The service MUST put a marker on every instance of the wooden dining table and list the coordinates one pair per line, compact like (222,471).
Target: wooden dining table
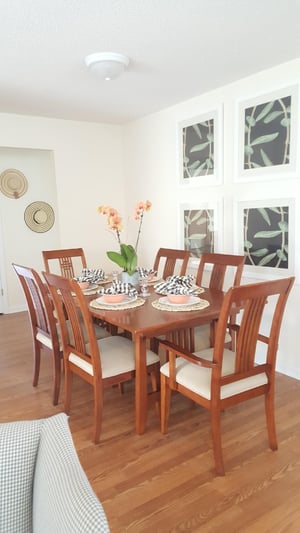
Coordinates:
(146,322)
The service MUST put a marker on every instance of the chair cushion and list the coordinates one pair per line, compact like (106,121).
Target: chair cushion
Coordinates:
(63,500)
(101,333)
(117,357)
(19,442)
(198,378)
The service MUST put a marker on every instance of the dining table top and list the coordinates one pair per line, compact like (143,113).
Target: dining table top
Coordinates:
(147,320)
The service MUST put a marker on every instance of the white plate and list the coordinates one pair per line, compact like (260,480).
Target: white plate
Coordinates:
(127,300)
(191,301)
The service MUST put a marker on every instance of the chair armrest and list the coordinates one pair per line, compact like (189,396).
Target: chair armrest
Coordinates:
(180,352)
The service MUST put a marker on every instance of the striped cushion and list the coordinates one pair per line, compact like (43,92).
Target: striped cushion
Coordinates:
(19,442)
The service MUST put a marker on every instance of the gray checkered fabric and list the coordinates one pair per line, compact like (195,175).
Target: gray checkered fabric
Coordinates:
(43,488)
(63,501)
(19,442)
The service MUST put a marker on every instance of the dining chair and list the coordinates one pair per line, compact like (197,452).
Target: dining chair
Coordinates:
(217,378)
(213,272)
(68,262)
(101,363)
(169,261)
(44,326)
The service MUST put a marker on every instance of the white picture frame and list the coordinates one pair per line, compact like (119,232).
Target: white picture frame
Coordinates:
(200,149)
(265,233)
(200,228)
(267,136)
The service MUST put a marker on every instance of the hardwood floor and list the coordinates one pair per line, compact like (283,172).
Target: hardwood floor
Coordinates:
(161,484)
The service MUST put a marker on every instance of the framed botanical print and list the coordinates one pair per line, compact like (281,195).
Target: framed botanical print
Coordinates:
(267,135)
(200,150)
(200,228)
(267,235)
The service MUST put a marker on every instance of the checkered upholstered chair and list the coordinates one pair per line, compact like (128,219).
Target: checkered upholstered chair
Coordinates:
(43,487)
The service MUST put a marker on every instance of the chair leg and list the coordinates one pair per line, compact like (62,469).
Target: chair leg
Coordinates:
(154,372)
(36,363)
(68,389)
(215,420)
(154,344)
(165,399)
(98,410)
(270,418)
(56,378)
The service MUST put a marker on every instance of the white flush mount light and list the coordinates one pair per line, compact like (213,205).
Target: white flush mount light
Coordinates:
(108,65)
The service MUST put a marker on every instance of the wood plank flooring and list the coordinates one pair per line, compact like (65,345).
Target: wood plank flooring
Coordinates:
(161,484)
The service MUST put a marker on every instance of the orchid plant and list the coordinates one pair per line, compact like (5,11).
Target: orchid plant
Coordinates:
(127,257)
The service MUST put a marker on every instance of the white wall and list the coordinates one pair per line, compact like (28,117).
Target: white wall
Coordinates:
(151,171)
(88,168)
(96,164)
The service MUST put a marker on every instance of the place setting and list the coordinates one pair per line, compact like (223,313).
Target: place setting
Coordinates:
(118,296)
(148,276)
(90,279)
(179,293)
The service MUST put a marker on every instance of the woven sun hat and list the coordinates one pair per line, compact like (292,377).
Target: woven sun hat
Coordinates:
(13,183)
(39,217)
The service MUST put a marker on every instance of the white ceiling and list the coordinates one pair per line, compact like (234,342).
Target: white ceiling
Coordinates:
(178,49)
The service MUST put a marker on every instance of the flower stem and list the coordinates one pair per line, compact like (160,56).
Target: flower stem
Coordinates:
(139,231)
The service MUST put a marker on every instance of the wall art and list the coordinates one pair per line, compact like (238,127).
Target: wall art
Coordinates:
(267,235)
(267,132)
(200,228)
(200,150)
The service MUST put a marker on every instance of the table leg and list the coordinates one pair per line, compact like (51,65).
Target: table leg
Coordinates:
(140,385)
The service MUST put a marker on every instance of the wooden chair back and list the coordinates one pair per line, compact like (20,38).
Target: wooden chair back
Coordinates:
(219,264)
(236,376)
(168,260)
(66,260)
(43,323)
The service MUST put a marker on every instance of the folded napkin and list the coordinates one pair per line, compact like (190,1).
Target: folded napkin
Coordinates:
(117,287)
(177,285)
(91,275)
(145,272)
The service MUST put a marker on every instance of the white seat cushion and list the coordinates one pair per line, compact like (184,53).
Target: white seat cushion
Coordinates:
(117,357)
(198,378)
(101,333)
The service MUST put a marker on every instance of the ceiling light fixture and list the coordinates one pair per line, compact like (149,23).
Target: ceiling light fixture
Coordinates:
(108,64)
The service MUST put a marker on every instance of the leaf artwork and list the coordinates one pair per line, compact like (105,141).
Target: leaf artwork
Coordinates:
(198,149)
(267,134)
(198,231)
(266,233)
